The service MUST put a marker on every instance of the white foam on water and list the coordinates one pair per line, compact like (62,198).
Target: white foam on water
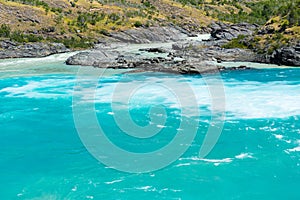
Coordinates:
(253,65)
(250,128)
(246,100)
(296,149)
(154,91)
(48,88)
(111,113)
(25,62)
(244,156)
(270,100)
(168,189)
(147,188)
(224,160)
(195,158)
(74,189)
(114,181)
(183,164)
(243,100)
(279,137)
(217,162)
(160,126)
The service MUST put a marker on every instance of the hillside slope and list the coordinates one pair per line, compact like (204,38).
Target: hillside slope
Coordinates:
(81,23)
(78,20)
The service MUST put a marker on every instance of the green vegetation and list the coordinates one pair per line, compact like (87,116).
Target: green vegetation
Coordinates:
(279,20)
(249,11)
(74,42)
(236,43)
(104,32)
(78,21)
(191,2)
(148,4)
(20,37)
(262,11)
(5,31)
(138,24)
(84,19)
(33,3)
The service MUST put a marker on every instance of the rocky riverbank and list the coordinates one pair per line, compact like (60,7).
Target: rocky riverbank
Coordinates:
(164,49)
(161,48)
(9,49)
(286,56)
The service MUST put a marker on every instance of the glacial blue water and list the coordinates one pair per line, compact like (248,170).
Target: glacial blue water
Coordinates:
(42,157)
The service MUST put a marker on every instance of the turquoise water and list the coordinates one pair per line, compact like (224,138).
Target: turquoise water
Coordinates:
(42,157)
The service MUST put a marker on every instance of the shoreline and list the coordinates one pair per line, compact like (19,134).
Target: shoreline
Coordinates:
(163,49)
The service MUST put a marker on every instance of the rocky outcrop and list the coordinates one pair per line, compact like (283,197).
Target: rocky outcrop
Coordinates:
(286,56)
(216,53)
(222,31)
(184,57)
(148,35)
(93,58)
(9,49)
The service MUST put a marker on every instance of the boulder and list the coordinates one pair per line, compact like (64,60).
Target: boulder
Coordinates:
(286,56)
(96,58)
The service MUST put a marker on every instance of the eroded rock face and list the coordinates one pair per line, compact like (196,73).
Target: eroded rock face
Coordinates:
(287,56)
(148,35)
(222,31)
(11,49)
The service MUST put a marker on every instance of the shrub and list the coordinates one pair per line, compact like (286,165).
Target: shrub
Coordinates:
(33,3)
(236,43)
(138,24)
(104,32)
(75,43)
(4,30)
(114,17)
(33,38)
(21,37)
(17,36)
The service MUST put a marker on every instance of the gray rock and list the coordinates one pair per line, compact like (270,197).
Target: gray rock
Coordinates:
(184,57)
(216,53)
(286,56)
(148,35)
(30,50)
(93,58)
(187,60)
(222,31)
